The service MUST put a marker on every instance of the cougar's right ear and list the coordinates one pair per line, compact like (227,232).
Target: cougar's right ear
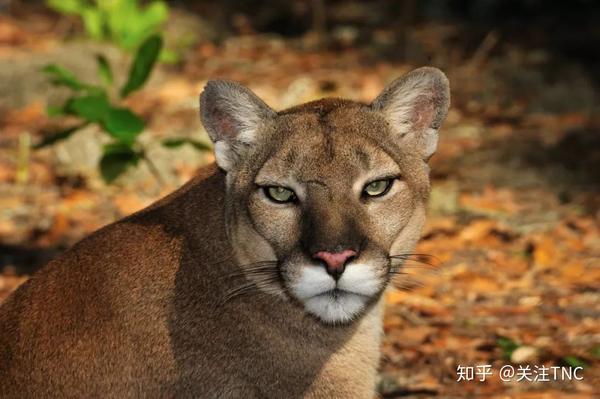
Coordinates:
(415,106)
(232,116)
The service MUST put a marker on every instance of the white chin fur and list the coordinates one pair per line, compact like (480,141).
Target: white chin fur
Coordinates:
(335,309)
(357,283)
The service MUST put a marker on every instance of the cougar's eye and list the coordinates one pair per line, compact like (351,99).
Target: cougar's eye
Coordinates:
(378,188)
(279,194)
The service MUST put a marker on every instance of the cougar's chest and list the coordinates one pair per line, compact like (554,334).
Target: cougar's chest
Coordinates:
(262,358)
(351,371)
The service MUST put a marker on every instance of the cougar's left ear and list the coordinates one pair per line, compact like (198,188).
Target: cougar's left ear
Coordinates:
(232,115)
(415,106)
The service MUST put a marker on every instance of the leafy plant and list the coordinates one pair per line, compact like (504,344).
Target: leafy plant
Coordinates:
(507,345)
(180,141)
(124,22)
(573,361)
(92,104)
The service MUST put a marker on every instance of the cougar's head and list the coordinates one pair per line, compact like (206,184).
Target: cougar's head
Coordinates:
(322,195)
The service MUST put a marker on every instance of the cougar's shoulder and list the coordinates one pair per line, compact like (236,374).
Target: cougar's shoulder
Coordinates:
(107,301)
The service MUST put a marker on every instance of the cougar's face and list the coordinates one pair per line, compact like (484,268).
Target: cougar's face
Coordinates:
(331,204)
(320,197)
(330,200)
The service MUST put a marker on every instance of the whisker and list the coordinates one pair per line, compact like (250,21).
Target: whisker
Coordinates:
(253,273)
(414,267)
(406,269)
(264,283)
(238,291)
(414,254)
(428,260)
(415,262)
(262,263)
(227,259)
(407,285)
(397,272)
(254,269)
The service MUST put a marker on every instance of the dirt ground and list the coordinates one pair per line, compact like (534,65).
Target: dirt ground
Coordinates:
(514,219)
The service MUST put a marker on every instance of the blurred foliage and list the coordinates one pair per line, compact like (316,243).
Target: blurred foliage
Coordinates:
(180,141)
(123,22)
(507,345)
(574,361)
(92,104)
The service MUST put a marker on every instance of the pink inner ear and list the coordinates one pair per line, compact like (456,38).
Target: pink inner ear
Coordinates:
(423,113)
(224,124)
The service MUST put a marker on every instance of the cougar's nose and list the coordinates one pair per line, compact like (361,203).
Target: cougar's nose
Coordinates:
(335,262)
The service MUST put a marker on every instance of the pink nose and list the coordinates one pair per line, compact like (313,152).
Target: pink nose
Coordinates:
(335,262)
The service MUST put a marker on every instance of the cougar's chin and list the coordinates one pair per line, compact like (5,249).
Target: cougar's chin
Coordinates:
(336,306)
(336,301)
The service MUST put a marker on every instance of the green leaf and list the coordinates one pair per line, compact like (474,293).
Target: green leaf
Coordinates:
(92,107)
(58,136)
(155,14)
(178,142)
(104,70)
(63,77)
(66,6)
(123,124)
(200,146)
(149,20)
(133,25)
(507,345)
(54,111)
(574,361)
(142,65)
(596,352)
(93,22)
(116,159)
(122,19)
(168,56)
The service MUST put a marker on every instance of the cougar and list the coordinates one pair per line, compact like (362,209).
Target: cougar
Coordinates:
(262,277)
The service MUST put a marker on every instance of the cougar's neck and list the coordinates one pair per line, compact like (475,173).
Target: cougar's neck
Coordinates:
(200,217)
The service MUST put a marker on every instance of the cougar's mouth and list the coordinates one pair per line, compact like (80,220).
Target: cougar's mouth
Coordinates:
(337,294)
(336,301)
(336,306)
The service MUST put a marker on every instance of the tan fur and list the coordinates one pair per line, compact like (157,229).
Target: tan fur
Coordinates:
(151,306)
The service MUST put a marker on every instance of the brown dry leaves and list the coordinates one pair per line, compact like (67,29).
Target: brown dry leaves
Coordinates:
(538,289)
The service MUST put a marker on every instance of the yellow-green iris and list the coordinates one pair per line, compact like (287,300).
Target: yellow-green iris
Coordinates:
(377,188)
(280,194)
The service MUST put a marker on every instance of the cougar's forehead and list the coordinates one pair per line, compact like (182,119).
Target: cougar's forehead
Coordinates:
(335,145)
